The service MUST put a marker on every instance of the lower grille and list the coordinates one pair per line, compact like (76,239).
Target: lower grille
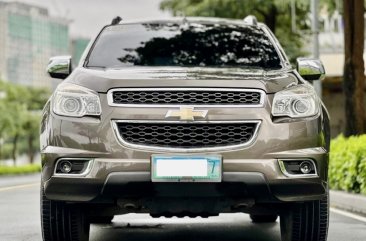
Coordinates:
(187,135)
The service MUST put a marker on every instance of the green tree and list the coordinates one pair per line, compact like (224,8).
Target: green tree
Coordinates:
(19,124)
(6,125)
(331,5)
(37,98)
(17,114)
(31,124)
(276,14)
(16,104)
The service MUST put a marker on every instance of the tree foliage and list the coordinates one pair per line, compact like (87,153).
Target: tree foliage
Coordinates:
(19,122)
(347,166)
(333,5)
(275,13)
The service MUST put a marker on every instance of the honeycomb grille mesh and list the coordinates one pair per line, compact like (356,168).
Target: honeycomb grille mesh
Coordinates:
(182,135)
(186,97)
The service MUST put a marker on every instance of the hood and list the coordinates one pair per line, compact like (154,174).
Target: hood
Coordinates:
(101,80)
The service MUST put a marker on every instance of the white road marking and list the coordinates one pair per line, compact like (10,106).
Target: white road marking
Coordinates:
(3,189)
(349,215)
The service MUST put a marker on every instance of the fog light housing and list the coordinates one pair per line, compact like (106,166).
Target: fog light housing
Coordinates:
(65,167)
(298,168)
(73,166)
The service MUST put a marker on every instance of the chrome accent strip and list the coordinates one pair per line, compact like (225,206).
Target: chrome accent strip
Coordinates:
(183,150)
(284,171)
(261,103)
(83,174)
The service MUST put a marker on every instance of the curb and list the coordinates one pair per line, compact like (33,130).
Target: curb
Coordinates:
(355,203)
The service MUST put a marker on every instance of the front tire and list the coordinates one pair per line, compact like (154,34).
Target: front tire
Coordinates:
(306,222)
(62,222)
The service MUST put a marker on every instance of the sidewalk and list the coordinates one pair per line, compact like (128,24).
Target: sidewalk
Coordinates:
(355,203)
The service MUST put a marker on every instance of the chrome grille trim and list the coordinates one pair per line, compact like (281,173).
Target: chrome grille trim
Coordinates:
(261,92)
(184,150)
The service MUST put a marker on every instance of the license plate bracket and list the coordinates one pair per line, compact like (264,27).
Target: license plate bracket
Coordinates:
(186,168)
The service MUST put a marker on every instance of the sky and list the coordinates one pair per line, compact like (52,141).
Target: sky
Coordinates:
(89,16)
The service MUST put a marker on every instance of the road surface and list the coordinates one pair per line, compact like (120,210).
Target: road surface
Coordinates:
(19,221)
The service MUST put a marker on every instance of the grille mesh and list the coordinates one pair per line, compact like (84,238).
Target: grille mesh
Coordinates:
(182,135)
(212,97)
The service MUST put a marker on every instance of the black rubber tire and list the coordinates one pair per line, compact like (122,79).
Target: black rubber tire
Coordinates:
(306,222)
(263,218)
(62,222)
(101,219)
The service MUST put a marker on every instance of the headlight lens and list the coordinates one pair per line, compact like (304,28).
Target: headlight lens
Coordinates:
(76,101)
(296,102)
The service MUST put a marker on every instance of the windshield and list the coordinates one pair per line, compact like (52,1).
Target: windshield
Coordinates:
(188,44)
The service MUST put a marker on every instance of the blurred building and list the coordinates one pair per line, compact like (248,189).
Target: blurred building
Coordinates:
(28,37)
(331,39)
(78,45)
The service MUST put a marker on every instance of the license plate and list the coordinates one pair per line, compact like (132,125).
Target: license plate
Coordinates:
(206,168)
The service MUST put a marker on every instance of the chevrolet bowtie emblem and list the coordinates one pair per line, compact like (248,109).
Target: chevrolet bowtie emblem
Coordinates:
(187,114)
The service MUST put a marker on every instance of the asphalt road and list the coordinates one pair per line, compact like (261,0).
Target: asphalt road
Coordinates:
(19,221)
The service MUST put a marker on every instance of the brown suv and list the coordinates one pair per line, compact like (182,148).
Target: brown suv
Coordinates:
(185,117)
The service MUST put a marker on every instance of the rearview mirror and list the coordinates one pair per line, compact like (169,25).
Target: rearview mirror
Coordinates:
(59,67)
(310,69)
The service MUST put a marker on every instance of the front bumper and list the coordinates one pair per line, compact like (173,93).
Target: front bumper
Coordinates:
(120,171)
(260,179)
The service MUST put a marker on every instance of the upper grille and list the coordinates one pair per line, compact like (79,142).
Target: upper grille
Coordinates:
(187,97)
(187,135)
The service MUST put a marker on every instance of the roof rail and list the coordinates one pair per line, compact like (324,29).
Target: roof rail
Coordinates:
(251,19)
(116,20)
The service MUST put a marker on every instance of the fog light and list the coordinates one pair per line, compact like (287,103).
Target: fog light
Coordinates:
(305,167)
(66,167)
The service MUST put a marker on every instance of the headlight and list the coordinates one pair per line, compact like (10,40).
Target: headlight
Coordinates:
(296,102)
(76,101)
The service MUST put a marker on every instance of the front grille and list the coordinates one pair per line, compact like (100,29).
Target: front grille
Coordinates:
(187,97)
(187,135)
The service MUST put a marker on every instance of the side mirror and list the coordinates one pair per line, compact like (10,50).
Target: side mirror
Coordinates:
(310,69)
(59,67)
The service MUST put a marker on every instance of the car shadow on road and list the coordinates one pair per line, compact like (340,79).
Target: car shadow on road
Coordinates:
(213,229)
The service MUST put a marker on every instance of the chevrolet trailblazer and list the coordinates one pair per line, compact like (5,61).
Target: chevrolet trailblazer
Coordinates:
(185,117)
